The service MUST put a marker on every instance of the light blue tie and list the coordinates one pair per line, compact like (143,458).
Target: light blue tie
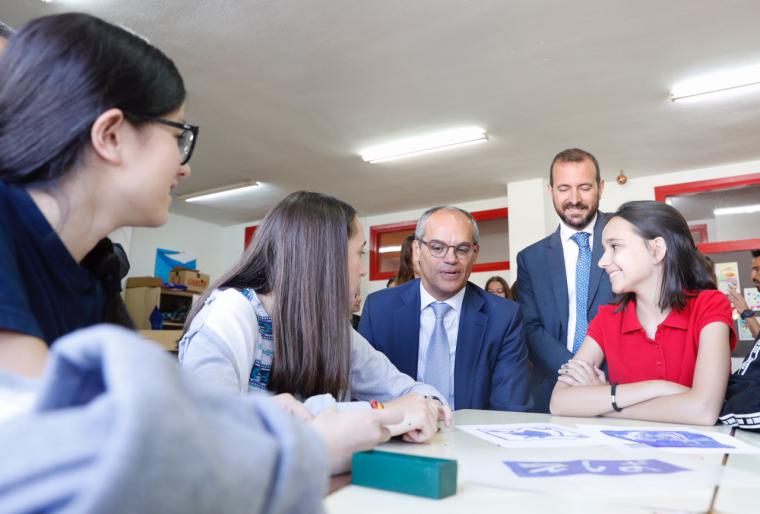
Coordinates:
(582,278)
(437,368)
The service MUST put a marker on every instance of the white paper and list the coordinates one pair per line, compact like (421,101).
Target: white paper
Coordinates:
(728,276)
(752,295)
(676,439)
(745,334)
(534,435)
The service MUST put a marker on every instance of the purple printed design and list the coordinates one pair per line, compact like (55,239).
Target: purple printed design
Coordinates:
(533,432)
(667,438)
(533,469)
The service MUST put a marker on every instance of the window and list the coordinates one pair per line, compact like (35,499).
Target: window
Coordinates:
(385,244)
(248,237)
(721,218)
(722,213)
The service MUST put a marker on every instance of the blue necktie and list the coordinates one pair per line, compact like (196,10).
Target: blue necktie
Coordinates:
(582,278)
(437,368)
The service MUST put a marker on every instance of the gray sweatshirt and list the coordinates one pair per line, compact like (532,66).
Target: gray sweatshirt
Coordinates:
(117,427)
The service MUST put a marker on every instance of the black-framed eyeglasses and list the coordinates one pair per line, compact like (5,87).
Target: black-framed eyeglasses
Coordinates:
(185,141)
(439,249)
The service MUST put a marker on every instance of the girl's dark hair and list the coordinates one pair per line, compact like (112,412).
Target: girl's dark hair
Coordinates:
(685,270)
(504,285)
(299,254)
(58,74)
(405,266)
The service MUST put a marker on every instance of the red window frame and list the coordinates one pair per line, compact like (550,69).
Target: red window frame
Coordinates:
(376,231)
(701,229)
(248,236)
(663,192)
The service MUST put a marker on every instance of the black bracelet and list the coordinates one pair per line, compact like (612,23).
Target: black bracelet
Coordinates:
(613,387)
(431,397)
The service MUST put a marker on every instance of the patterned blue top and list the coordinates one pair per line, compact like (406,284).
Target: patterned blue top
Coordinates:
(263,354)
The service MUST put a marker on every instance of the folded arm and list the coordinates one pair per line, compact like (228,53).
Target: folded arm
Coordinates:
(653,400)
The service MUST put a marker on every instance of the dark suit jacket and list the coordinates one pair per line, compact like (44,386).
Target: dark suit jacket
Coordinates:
(542,293)
(491,365)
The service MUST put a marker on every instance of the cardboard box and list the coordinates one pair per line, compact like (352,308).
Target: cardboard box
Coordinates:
(195,281)
(168,339)
(144,282)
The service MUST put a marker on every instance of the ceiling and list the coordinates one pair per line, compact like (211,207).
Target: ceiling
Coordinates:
(287,92)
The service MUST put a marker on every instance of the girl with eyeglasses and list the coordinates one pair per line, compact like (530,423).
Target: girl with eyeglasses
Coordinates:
(92,138)
(279,320)
(667,338)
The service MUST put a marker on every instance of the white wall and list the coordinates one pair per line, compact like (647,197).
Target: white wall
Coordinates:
(531,217)
(214,246)
(529,203)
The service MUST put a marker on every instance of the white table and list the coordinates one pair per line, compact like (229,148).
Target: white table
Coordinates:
(479,460)
(739,489)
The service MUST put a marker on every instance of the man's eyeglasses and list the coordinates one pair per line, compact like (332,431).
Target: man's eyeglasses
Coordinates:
(439,249)
(185,141)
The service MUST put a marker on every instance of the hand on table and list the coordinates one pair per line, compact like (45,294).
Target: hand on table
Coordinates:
(420,417)
(345,433)
(577,372)
(293,406)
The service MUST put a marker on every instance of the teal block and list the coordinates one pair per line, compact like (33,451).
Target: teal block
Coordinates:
(402,473)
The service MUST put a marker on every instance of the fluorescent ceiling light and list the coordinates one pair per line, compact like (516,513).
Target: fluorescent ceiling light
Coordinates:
(390,249)
(423,144)
(221,192)
(742,209)
(723,82)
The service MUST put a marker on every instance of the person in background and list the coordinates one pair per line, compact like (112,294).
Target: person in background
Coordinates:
(668,337)
(356,306)
(407,269)
(560,287)
(740,303)
(92,138)
(446,331)
(279,320)
(496,285)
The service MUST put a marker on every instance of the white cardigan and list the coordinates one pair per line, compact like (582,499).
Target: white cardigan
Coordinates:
(219,345)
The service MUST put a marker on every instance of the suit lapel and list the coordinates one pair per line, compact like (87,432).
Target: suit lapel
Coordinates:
(556,269)
(596,254)
(472,325)
(406,323)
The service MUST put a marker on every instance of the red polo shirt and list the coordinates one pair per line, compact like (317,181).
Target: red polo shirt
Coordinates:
(672,355)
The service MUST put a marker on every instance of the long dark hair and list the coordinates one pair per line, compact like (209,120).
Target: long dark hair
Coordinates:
(503,283)
(300,255)
(685,270)
(405,266)
(57,75)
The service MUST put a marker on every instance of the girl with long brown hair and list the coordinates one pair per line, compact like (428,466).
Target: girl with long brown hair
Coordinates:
(280,321)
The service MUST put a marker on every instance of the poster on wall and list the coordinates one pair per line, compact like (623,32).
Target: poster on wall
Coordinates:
(752,295)
(728,276)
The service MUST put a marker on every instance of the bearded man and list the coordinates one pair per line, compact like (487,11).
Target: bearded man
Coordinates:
(559,285)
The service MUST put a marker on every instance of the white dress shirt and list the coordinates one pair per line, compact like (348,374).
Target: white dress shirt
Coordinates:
(427,324)
(571,250)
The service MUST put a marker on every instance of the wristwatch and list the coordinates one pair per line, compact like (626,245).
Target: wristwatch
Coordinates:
(749,313)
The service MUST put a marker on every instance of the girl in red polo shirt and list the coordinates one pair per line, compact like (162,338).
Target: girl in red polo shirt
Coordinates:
(668,337)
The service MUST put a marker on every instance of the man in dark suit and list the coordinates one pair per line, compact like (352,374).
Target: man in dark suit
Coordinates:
(448,332)
(560,287)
